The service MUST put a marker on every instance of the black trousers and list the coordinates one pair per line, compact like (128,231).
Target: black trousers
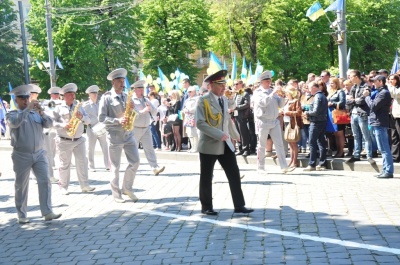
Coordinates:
(396,140)
(229,165)
(241,124)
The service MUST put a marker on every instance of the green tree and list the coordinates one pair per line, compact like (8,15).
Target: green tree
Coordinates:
(11,67)
(174,29)
(90,37)
(373,33)
(237,24)
(292,44)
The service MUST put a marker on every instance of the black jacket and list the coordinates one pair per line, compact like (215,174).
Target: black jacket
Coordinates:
(358,100)
(380,108)
(318,108)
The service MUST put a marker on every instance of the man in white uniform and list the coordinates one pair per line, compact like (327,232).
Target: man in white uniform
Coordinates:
(51,133)
(64,117)
(266,111)
(95,129)
(111,113)
(27,140)
(141,130)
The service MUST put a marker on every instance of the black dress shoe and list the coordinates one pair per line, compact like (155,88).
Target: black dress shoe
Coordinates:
(352,160)
(385,176)
(209,212)
(246,153)
(243,210)
(349,154)
(239,153)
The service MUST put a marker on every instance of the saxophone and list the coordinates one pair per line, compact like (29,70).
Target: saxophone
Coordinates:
(74,121)
(130,113)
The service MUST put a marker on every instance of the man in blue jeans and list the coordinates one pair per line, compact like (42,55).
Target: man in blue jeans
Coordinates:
(317,115)
(359,110)
(379,121)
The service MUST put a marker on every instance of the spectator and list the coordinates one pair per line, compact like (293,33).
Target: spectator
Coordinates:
(394,89)
(176,124)
(189,122)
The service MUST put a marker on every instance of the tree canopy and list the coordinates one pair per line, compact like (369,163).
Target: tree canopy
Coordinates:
(90,37)
(11,64)
(174,29)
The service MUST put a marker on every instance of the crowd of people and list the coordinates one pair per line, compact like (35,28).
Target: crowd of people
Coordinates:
(217,121)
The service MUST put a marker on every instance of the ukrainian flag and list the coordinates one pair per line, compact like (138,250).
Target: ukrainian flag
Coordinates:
(215,64)
(315,11)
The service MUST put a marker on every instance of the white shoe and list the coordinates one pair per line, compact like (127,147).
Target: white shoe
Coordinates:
(51,216)
(53,180)
(320,168)
(88,189)
(158,170)
(289,169)
(64,191)
(309,168)
(119,200)
(92,170)
(131,195)
(23,220)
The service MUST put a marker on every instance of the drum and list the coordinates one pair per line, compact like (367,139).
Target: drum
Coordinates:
(99,129)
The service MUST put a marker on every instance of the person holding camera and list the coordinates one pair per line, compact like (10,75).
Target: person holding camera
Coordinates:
(359,110)
(379,121)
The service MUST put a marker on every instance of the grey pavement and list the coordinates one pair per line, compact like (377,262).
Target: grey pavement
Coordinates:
(323,217)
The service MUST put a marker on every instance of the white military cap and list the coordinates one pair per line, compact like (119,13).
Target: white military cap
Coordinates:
(92,89)
(54,90)
(35,89)
(138,84)
(24,90)
(71,87)
(117,73)
(265,75)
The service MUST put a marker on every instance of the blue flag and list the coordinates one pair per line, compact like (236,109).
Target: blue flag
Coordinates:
(58,63)
(335,6)
(244,70)
(127,85)
(395,66)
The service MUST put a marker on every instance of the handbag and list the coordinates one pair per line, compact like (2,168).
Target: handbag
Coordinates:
(173,118)
(292,135)
(340,116)
(190,120)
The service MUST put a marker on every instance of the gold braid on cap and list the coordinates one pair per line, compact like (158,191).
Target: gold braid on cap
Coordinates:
(210,115)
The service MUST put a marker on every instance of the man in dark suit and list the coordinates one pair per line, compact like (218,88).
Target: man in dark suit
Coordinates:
(216,131)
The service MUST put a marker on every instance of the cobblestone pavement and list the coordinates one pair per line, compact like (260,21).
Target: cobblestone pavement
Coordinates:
(329,217)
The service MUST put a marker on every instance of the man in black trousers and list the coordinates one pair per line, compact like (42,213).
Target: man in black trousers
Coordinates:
(216,131)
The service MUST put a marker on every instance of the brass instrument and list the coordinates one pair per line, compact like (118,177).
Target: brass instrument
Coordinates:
(130,113)
(74,121)
(37,106)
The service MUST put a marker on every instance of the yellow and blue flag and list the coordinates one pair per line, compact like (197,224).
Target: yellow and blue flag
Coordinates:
(395,66)
(215,64)
(13,105)
(315,11)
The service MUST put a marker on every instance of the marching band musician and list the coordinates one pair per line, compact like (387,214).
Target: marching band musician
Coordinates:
(50,133)
(27,125)
(69,120)
(95,130)
(113,105)
(142,130)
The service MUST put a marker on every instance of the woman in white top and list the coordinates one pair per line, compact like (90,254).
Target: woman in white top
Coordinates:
(189,123)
